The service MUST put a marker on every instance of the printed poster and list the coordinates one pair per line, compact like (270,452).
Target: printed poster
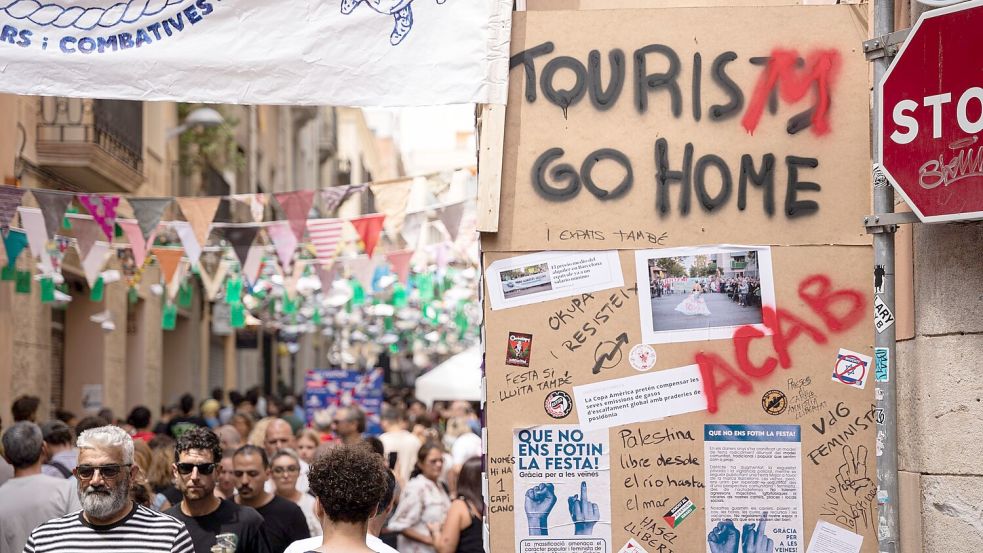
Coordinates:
(563,482)
(328,389)
(544,276)
(753,487)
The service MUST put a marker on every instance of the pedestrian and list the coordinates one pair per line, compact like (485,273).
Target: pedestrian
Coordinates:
(462,530)
(186,420)
(6,470)
(423,501)
(59,444)
(109,520)
(197,456)
(25,408)
(244,424)
(139,419)
(225,485)
(160,474)
(228,437)
(399,442)
(30,497)
(349,424)
(143,458)
(209,412)
(283,520)
(279,436)
(350,482)
(307,441)
(285,467)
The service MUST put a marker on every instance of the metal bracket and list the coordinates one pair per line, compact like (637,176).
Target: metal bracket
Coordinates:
(888,222)
(885,45)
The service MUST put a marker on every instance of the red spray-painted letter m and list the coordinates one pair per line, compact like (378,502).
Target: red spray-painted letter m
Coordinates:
(794,84)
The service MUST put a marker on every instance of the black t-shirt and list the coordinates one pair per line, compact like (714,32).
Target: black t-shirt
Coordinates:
(229,518)
(283,523)
(180,425)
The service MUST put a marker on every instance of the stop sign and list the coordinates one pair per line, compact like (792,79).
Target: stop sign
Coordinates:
(931,115)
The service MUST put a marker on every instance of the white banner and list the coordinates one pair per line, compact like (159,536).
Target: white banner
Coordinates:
(315,52)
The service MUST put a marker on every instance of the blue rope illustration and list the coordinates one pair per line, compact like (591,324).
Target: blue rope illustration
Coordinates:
(84,18)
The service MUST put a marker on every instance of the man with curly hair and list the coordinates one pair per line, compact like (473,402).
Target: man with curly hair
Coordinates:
(350,483)
(197,457)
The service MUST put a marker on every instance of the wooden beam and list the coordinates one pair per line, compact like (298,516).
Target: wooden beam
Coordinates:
(491,142)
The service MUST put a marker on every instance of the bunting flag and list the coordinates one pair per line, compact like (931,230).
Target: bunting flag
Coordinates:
(296,206)
(400,262)
(174,285)
(326,276)
(256,203)
(168,259)
(391,200)
(14,242)
(37,237)
(53,204)
(252,264)
(186,234)
(290,281)
(87,232)
(200,212)
(10,199)
(368,229)
(362,269)
(441,253)
(241,239)
(285,242)
(413,228)
(94,261)
(325,235)
(148,212)
(332,197)
(103,211)
(212,277)
(451,216)
(138,242)
(56,253)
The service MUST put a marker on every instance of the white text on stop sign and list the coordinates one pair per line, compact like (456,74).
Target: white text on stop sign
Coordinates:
(903,119)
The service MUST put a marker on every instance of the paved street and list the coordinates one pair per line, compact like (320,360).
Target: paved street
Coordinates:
(723,312)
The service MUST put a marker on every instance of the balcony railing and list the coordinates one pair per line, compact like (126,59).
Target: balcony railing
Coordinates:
(96,143)
(738,264)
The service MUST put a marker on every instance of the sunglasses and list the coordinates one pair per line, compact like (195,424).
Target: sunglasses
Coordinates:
(284,470)
(203,468)
(86,472)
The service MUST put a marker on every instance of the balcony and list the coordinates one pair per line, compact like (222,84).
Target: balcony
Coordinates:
(735,265)
(96,145)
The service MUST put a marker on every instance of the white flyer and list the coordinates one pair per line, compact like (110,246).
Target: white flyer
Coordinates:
(544,276)
(645,397)
(754,486)
(562,490)
(830,538)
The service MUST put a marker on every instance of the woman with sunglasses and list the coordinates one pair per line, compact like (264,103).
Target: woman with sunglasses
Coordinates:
(285,466)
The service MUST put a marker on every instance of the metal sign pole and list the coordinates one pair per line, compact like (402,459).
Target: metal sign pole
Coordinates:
(886,392)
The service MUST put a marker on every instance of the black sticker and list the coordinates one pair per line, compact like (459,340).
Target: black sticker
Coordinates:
(558,404)
(774,402)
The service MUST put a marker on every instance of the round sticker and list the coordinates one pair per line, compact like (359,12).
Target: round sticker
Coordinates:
(642,357)
(558,404)
(774,402)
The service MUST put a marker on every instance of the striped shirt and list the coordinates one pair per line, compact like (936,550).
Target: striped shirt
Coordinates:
(141,531)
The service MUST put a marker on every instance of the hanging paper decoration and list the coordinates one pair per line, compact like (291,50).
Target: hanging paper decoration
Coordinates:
(138,242)
(413,226)
(53,205)
(233,290)
(241,239)
(168,259)
(296,206)
(168,316)
(97,290)
(86,234)
(332,197)
(368,229)
(94,261)
(285,242)
(148,212)
(186,233)
(237,315)
(56,253)
(212,279)
(362,269)
(253,264)
(256,203)
(47,290)
(10,199)
(185,294)
(358,293)
(103,211)
(325,235)
(399,296)
(23,282)
(14,242)
(450,216)
(400,262)
(200,212)
(390,200)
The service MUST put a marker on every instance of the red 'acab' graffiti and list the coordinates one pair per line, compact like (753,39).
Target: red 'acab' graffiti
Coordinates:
(840,310)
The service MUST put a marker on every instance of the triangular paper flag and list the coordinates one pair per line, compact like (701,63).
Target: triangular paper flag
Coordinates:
(200,212)
(241,239)
(332,197)
(362,269)
(37,236)
(187,236)
(252,265)
(103,211)
(413,227)
(296,206)
(174,285)
(10,199)
(53,205)
(368,229)
(285,243)
(256,203)
(451,216)
(86,234)
(400,262)
(168,259)
(138,243)
(326,276)
(390,200)
(325,235)
(94,261)
(14,242)
(148,212)
(290,281)
(212,282)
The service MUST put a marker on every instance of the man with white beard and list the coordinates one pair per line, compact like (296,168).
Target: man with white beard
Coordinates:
(109,520)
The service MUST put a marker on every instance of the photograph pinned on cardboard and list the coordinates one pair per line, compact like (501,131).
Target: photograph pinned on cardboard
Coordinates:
(544,276)
(702,293)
